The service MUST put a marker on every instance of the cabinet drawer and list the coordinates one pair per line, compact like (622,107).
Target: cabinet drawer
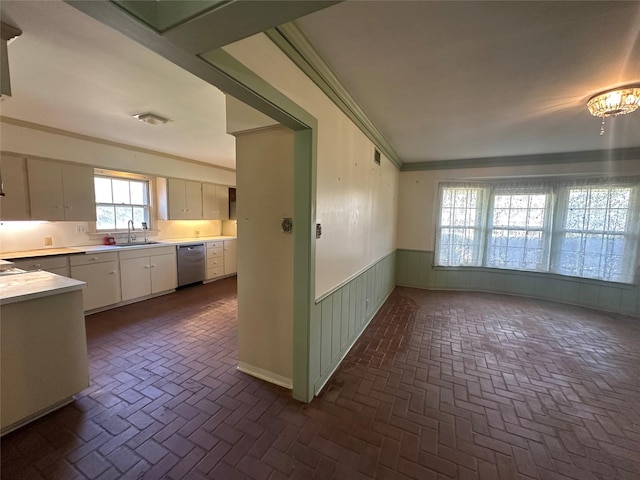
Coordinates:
(215,252)
(215,272)
(90,258)
(42,263)
(146,252)
(215,262)
(217,244)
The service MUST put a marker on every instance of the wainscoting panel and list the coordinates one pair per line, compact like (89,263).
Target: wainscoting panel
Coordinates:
(414,268)
(342,315)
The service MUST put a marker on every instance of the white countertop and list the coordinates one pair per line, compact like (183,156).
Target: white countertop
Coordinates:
(29,285)
(100,248)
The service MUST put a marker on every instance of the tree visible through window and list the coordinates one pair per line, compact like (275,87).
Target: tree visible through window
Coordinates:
(595,233)
(119,200)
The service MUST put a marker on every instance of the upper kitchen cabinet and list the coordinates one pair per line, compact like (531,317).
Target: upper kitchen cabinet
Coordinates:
(179,199)
(61,191)
(14,205)
(215,202)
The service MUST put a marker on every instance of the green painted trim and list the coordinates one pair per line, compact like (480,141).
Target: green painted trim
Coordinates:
(304,254)
(290,114)
(615,155)
(351,278)
(290,39)
(414,268)
(305,126)
(341,317)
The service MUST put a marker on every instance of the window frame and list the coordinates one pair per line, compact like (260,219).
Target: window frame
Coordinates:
(555,214)
(124,176)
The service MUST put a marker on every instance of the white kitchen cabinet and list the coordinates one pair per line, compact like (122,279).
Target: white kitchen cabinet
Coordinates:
(100,271)
(230,257)
(14,205)
(60,191)
(179,199)
(215,260)
(148,271)
(215,202)
(58,264)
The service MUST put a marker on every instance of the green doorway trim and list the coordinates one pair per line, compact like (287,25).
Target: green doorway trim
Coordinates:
(224,72)
(305,127)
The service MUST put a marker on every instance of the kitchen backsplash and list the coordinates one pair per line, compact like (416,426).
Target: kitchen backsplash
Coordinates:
(20,236)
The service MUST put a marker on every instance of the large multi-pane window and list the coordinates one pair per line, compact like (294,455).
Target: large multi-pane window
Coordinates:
(461,225)
(518,234)
(597,232)
(585,229)
(119,200)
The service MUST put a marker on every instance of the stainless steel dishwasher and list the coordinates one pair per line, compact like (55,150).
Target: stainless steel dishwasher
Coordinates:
(191,263)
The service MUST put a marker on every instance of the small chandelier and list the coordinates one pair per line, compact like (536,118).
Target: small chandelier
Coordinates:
(611,103)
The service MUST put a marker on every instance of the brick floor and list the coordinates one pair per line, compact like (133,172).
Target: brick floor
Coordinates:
(441,385)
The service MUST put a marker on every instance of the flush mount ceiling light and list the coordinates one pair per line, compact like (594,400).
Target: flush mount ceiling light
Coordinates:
(151,118)
(611,103)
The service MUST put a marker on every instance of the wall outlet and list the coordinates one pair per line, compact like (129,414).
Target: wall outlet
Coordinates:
(48,241)
(81,229)
(197,233)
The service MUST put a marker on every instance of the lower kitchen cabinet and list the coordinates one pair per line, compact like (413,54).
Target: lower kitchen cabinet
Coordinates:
(230,257)
(101,273)
(58,264)
(215,260)
(147,271)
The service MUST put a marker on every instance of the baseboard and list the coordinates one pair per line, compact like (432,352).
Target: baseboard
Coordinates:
(265,375)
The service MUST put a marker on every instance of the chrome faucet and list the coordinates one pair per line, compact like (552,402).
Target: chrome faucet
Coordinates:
(129,228)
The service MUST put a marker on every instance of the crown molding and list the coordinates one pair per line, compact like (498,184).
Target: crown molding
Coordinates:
(615,155)
(88,138)
(290,39)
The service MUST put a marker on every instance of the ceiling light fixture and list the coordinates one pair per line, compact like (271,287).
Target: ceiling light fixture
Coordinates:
(151,118)
(611,103)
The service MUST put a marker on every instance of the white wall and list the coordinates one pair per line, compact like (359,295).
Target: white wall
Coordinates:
(356,200)
(264,161)
(419,190)
(44,143)
(48,143)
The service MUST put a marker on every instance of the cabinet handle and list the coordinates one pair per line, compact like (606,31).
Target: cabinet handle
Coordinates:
(112,272)
(68,206)
(36,265)
(59,207)
(93,259)
(153,266)
(146,266)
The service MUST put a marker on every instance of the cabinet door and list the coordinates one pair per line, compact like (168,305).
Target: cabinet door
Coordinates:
(103,284)
(230,256)
(15,203)
(193,200)
(78,193)
(222,197)
(176,199)
(215,202)
(45,190)
(135,278)
(209,202)
(164,273)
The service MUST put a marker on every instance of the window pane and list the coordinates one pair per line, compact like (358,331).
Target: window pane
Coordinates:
(600,245)
(106,219)
(103,190)
(138,193)
(123,215)
(519,236)
(459,230)
(139,216)
(120,191)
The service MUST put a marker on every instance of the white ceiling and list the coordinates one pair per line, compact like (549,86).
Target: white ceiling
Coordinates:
(440,80)
(454,80)
(71,72)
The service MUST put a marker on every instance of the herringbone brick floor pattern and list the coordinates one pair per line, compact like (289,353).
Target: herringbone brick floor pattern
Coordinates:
(441,385)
